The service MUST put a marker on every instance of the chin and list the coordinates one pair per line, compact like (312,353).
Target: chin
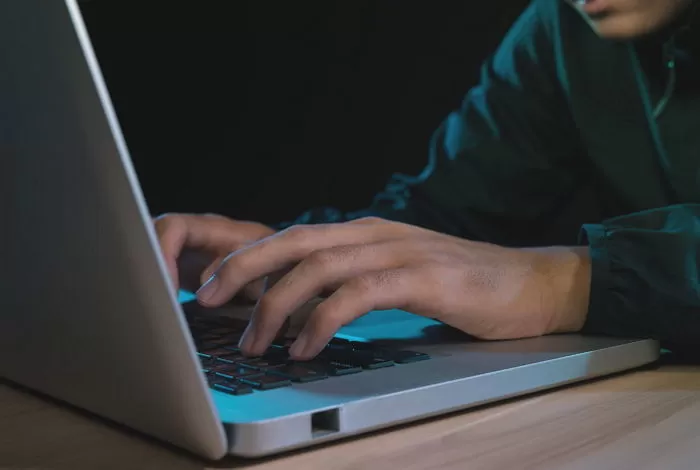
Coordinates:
(623,28)
(620,34)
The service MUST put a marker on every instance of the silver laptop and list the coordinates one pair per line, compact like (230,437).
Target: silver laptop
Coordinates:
(88,315)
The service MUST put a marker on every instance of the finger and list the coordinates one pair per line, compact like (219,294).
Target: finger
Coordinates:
(190,265)
(202,233)
(172,234)
(250,292)
(285,248)
(253,290)
(316,273)
(211,269)
(374,291)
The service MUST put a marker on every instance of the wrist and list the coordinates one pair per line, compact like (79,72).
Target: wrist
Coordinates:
(569,288)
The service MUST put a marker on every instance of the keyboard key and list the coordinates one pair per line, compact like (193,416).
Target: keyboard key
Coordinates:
(236,371)
(222,352)
(224,365)
(232,387)
(206,345)
(365,359)
(338,347)
(261,363)
(371,362)
(218,360)
(202,338)
(266,382)
(229,371)
(282,342)
(405,357)
(336,368)
(397,356)
(298,373)
(277,352)
(205,359)
(218,341)
(238,389)
(340,341)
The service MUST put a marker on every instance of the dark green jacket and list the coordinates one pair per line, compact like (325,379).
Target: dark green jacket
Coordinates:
(559,145)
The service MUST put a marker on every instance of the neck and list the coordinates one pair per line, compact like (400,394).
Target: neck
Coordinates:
(684,31)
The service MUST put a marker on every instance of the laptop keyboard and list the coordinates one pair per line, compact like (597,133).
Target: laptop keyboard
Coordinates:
(229,371)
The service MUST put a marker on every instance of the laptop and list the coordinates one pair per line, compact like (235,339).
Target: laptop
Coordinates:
(89,317)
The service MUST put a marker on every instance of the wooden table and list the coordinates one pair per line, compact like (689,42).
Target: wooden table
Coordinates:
(647,419)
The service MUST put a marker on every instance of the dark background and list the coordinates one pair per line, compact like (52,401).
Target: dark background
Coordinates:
(259,109)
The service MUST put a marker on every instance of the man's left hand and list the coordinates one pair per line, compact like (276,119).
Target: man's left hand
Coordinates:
(488,291)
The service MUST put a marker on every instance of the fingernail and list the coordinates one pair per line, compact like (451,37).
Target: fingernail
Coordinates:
(208,289)
(246,340)
(298,346)
(245,343)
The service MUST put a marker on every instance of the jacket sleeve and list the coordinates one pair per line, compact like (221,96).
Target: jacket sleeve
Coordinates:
(506,158)
(645,275)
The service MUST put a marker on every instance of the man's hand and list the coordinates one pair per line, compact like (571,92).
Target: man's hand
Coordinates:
(488,291)
(195,245)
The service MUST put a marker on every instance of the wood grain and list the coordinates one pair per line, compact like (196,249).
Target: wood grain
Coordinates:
(642,420)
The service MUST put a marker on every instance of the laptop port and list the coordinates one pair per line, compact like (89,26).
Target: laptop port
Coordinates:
(325,422)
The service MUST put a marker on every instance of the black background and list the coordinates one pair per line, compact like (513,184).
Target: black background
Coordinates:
(259,110)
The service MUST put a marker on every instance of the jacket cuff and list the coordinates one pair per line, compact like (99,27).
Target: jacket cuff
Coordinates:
(598,321)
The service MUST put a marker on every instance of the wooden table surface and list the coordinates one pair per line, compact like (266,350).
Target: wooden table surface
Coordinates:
(648,419)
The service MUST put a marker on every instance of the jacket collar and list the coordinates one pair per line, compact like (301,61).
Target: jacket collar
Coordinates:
(689,32)
(686,29)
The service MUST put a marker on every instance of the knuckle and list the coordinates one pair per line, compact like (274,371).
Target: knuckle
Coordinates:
(365,284)
(234,263)
(348,253)
(328,258)
(296,230)
(227,268)
(322,259)
(164,219)
(212,220)
(301,238)
(385,279)
(168,222)
(296,233)
(371,219)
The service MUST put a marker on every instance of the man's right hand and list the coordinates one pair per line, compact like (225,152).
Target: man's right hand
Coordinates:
(195,245)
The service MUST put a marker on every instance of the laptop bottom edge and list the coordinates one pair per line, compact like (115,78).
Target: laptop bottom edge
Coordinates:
(354,418)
